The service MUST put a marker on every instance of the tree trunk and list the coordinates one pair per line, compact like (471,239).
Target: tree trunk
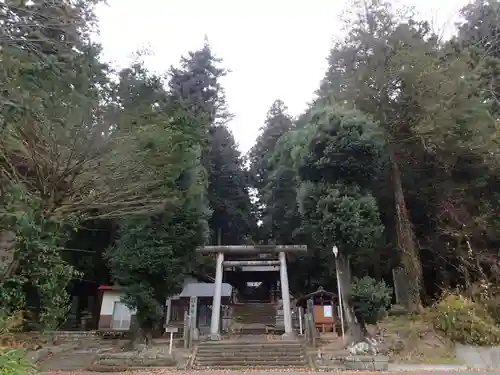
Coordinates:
(141,338)
(8,263)
(354,329)
(377,268)
(410,257)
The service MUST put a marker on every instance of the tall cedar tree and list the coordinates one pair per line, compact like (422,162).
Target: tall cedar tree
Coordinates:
(197,84)
(278,122)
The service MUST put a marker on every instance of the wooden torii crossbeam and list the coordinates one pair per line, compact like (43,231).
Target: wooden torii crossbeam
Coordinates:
(252,249)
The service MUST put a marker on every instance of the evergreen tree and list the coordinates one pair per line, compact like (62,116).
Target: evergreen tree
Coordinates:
(153,253)
(479,33)
(197,84)
(232,220)
(278,122)
(397,71)
(266,176)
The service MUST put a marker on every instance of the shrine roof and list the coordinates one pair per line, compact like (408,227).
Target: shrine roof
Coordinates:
(203,290)
(320,292)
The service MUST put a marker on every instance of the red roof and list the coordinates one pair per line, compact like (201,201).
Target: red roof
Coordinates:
(108,287)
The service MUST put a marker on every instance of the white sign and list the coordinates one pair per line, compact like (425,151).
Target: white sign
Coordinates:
(172,330)
(327,312)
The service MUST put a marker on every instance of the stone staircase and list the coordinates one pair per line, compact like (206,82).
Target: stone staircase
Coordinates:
(255,313)
(249,354)
(252,318)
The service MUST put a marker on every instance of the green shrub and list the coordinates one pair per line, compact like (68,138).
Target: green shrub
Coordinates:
(12,362)
(493,307)
(9,324)
(370,298)
(465,321)
(487,295)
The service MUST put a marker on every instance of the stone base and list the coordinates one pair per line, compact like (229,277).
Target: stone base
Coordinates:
(214,337)
(333,361)
(375,363)
(289,336)
(397,310)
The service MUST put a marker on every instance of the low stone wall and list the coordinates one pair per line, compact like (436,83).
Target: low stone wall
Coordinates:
(69,334)
(332,361)
(481,357)
(53,337)
(134,360)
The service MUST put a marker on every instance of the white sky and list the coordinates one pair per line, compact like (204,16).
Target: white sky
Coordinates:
(276,49)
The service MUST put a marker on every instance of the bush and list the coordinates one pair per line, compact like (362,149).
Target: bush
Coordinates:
(493,307)
(487,295)
(370,298)
(9,323)
(12,362)
(465,321)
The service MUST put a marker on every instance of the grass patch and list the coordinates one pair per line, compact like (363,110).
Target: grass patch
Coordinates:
(412,338)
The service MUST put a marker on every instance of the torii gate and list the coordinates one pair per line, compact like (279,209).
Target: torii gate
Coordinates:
(270,249)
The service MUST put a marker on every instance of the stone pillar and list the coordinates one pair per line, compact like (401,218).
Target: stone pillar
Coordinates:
(285,295)
(216,304)
(193,320)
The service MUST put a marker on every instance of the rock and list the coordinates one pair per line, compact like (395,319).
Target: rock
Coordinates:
(236,327)
(397,310)
(327,359)
(398,346)
(368,346)
(37,355)
(36,346)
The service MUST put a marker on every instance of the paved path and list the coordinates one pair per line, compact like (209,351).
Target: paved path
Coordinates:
(168,372)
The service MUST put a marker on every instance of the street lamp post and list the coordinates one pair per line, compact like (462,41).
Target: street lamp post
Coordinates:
(341,307)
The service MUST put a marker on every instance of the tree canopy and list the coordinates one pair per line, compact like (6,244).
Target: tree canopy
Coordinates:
(395,161)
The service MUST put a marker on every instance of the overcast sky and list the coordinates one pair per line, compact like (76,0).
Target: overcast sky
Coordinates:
(276,49)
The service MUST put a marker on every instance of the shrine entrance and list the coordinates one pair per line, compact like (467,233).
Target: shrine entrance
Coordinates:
(253,271)
(256,279)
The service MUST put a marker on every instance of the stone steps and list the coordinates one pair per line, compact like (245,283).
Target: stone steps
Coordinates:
(250,313)
(263,349)
(239,354)
(249,330)
(251,363)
